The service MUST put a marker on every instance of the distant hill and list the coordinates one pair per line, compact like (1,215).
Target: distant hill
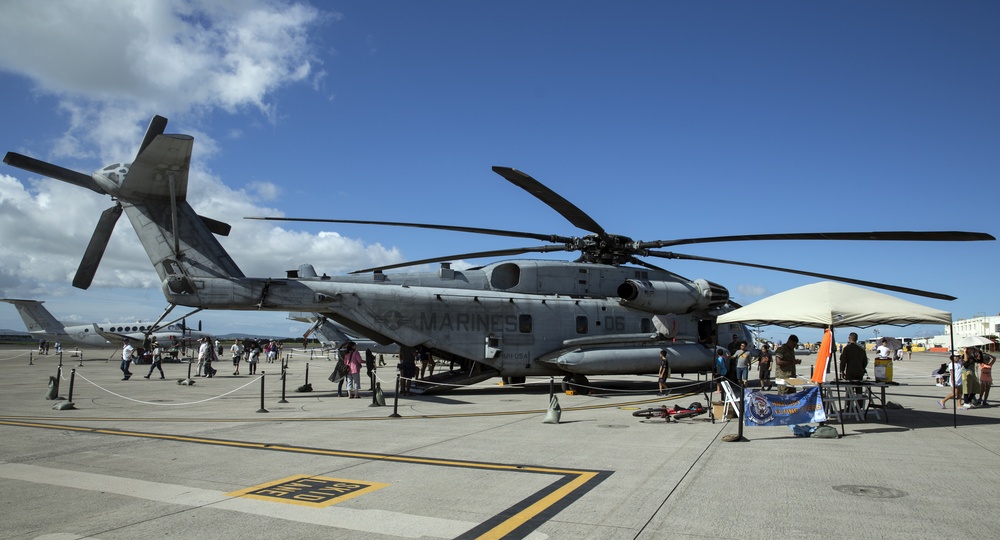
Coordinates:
(233,337)
(6,331)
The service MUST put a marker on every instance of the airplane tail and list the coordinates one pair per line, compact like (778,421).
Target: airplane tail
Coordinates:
(152,192)
(328,333)
(36,318)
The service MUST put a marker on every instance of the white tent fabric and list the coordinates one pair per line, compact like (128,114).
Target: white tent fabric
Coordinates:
(828,303)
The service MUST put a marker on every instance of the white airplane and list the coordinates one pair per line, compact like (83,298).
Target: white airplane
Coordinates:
(41,324)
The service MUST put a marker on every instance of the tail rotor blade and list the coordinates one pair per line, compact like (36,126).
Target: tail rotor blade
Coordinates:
(95,250)
(156,127)
(43,168)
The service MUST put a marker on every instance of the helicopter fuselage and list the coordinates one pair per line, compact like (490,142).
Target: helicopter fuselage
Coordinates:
(498,315)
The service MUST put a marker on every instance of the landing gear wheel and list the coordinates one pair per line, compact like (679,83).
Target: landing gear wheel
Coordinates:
(577,383)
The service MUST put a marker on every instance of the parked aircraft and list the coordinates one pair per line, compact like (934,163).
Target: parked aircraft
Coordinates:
(332,335)
(41,324)
(609,312)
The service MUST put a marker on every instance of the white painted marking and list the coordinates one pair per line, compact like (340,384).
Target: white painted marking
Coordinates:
(370,521)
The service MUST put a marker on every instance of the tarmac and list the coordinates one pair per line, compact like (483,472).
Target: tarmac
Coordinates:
(228,457)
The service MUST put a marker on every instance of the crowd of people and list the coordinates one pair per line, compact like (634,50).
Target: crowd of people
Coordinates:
(969,377)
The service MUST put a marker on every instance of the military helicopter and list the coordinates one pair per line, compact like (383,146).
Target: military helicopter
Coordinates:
(609,312)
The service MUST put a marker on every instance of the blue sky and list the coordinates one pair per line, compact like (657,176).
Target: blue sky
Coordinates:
(660,120)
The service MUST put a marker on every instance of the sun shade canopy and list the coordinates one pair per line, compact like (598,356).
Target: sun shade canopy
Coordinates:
(834,304)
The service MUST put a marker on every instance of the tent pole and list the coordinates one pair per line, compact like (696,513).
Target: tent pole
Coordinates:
(954,401)
(836,377)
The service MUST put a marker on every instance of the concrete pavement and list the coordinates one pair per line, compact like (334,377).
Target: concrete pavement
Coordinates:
(151,458)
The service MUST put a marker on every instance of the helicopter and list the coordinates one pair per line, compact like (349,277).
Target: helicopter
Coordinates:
(609,312)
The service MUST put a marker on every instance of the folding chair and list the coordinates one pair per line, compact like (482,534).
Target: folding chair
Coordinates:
(731,400)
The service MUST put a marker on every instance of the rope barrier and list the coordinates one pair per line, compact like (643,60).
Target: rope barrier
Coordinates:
(168,404)
(21,355)
(680,388)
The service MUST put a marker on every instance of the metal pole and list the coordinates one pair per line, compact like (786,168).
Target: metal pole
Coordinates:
(307,373)
(284,368)
(72,378)
(395,400)
(30,361)
(262,409)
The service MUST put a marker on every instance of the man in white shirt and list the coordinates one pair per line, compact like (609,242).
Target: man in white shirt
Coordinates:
(883,351)
(128,352)
(204,350)
(237,351)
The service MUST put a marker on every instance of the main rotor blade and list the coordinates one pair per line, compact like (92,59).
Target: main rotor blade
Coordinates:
(477,230)
(555,201)
(473,255)
(43,168)
(156,127)
(95,249)
(885,286)
(904,236)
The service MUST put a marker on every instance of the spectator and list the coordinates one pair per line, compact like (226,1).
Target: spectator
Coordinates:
(354,362)
(664,374)
(128,353)
(156,360)
(784,364)
(764,368)
(954,379)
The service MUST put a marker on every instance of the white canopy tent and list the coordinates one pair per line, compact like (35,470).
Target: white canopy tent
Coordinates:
(829,304)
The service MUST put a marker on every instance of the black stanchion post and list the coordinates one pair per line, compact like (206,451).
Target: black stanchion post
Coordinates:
(72,378)
(262,409)
(30,360)
(307,373)
(552,382)
(395,400)
(60,358)
(284,371)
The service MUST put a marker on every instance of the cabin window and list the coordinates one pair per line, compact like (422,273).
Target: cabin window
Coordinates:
(524,324)
(646,326)
(581,325)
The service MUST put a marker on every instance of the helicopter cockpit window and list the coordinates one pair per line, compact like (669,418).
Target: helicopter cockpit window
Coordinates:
(524,324)
(581,325)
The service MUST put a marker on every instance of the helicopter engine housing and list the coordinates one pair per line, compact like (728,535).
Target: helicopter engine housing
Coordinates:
(672,296)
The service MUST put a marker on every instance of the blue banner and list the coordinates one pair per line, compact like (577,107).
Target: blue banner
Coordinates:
(803,407)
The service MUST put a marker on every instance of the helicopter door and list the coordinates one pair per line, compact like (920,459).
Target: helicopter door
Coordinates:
(494,346)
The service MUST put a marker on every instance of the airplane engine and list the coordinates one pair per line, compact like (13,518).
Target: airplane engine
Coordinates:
(672,296)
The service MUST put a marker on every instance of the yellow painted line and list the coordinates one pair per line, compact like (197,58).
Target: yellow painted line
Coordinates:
(580,478)
(537,508)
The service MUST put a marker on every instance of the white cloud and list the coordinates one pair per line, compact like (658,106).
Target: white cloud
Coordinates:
(751,292)
(111,65)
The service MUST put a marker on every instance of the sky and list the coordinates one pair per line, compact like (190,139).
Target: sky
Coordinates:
(660,120)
